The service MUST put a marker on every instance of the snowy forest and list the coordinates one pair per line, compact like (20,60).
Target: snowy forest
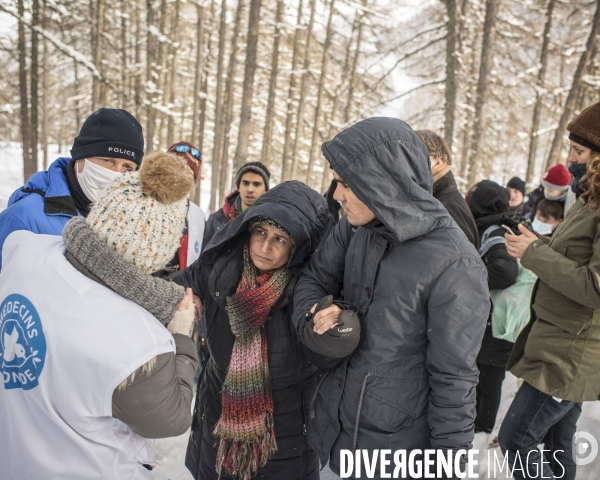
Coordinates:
(270,80)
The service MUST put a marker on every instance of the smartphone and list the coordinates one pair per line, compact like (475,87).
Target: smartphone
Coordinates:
(508,229)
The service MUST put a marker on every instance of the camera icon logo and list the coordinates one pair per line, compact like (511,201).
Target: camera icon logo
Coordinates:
(585,448)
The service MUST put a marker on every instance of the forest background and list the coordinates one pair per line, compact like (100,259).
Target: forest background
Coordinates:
(270,80)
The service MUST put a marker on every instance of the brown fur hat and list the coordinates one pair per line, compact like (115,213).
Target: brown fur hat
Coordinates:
(585,127)
(166,177)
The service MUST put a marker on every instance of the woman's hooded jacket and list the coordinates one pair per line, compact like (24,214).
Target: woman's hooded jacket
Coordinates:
(215,276)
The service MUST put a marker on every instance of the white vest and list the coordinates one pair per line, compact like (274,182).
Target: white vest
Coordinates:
(195,223)
(66,342)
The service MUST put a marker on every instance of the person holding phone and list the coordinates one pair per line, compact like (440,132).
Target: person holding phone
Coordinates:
(558,353)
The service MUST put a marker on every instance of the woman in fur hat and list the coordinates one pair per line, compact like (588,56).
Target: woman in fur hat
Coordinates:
(90,371)
(558,353)
(253,396)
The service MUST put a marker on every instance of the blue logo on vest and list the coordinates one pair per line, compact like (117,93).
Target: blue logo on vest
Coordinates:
(196,246)
(22,343)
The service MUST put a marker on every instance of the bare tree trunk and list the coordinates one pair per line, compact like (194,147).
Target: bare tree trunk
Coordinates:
(352,82)
(313,141)
(218,139)
(45,88)
(487,46)
(287,143)
(29,168)
(35,82)
(267,147)
(303,92)
(164,50)
(124,69)
(138,59)
(198,72)
(567,113)
(451,64)
(241,154)
(535,123)
(199,108)
(98,93)
(77,87)
(173,71)
(344,75)
(229,101)
(204,95)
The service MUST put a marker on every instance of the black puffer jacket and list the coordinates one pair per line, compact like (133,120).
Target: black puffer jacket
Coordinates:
(489,204)
(216,275)
(420,289)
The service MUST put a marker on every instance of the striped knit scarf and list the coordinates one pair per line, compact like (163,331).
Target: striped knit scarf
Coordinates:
(245,429)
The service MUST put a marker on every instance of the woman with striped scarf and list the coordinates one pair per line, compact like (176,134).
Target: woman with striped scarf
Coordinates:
(253,395)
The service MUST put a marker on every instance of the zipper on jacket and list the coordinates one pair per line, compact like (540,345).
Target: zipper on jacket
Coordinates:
(302,413)
(360,400)
(312,402)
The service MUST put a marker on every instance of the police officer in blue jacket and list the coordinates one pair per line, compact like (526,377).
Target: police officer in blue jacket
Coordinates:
(110,143)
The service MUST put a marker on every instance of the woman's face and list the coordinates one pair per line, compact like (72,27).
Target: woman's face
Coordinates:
(552,192)
(270,248)
(579,153)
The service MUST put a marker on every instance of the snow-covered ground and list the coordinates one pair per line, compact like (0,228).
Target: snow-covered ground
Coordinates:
(171,452)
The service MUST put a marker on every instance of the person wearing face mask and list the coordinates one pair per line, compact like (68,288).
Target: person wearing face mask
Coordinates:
(548,216)
(109,144)
(558,352)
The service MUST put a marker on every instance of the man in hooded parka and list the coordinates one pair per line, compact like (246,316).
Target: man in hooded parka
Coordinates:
(420,291)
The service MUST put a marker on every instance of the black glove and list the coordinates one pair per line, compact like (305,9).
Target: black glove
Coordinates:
(337,342)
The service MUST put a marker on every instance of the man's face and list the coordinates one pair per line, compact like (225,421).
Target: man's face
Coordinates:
(270,248)
(120,165)
(436,163)
(356,211)
(252,186)
(516,198)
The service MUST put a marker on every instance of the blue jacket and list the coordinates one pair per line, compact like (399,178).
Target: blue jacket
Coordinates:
(43,205)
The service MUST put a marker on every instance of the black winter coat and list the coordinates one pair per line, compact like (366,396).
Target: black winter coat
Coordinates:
(446,191)
(489,202)
(420,290)
(219,218)
(216,275)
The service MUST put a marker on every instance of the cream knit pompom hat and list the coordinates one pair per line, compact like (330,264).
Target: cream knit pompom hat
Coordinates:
(142,214)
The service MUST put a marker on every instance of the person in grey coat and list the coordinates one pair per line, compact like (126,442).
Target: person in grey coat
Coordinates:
(419,288)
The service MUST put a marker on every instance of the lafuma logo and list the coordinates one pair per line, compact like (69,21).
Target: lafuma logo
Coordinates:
(585,448)
(22,343)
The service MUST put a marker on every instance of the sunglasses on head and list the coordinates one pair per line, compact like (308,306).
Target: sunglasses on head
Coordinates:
(186,149)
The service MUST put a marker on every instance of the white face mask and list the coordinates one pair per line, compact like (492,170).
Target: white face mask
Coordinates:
(94,180)
(541,227)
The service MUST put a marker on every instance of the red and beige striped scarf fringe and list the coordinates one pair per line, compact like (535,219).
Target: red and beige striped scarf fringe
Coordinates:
(245,429)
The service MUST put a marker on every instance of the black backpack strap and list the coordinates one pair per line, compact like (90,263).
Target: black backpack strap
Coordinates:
(33,190)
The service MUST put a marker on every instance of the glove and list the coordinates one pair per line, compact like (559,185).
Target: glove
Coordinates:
(183,320)
(337,342)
